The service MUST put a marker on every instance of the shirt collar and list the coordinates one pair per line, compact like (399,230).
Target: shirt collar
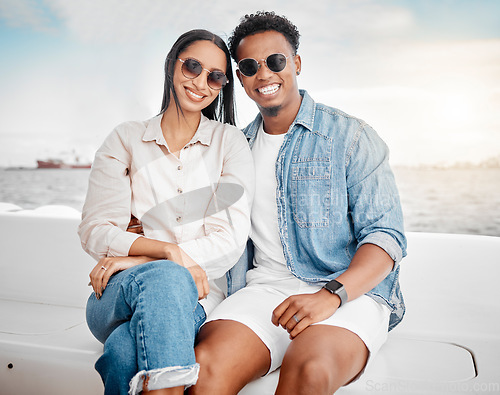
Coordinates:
(203,134)
(305,116)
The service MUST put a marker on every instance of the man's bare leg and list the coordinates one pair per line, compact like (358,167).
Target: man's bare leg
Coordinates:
(230,356)
(320,360)
(165,391)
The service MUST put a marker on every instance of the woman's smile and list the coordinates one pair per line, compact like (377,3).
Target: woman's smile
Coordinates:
(197,97)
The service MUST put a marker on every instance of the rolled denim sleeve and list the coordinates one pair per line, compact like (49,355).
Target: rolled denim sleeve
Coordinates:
(107,208)
(227,227)
(373,196)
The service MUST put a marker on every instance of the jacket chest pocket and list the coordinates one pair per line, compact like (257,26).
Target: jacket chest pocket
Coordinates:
(311,193)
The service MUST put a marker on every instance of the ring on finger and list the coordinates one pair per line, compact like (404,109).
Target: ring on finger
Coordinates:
(102,267)
(296,319)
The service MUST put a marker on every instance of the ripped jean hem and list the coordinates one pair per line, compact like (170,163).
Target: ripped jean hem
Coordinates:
(172,376)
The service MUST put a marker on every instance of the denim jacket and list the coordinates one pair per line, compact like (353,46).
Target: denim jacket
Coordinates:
(335,192)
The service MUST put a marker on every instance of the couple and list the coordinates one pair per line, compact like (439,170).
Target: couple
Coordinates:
(317,284)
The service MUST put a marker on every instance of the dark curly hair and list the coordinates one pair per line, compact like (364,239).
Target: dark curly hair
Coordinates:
(263,21)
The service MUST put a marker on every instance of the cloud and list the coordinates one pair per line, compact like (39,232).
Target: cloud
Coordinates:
(362,56)
(348,21)
(22,13)
(122,21)
(431,102)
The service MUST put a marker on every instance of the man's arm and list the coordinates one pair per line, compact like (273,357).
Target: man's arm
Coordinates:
(378,228)
(369,266)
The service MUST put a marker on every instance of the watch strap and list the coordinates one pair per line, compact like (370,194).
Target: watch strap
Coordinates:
(337,288)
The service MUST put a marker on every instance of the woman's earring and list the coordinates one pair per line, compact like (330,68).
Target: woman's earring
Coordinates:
(298,72)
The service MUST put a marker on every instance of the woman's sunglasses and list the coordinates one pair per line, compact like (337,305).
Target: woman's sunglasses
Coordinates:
(191,69)
(275,62)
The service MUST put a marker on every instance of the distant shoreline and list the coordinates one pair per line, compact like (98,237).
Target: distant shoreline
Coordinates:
(445,167)
(460,166)
(39,168)
(490,163)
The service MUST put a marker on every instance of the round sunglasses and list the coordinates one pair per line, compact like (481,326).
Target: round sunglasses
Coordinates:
(191,68)
(275,62)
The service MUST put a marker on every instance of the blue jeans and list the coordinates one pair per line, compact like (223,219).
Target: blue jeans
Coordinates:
(147,318)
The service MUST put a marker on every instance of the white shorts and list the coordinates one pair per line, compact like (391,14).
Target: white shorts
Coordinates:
(254,304)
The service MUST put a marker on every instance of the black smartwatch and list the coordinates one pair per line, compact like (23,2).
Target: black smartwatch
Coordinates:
(337,288)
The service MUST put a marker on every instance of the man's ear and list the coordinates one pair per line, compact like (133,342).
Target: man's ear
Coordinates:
(238,74)
(298,64)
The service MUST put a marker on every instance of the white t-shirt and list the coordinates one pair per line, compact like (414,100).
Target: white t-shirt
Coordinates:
(268,256)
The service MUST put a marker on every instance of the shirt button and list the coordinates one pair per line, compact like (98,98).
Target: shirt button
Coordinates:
(179,190)
(179,167)
(178,219)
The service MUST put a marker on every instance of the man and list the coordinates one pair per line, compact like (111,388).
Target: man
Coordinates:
(327,235)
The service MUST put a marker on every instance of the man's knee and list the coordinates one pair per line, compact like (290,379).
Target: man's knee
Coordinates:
(314,374)
(211,377)
(208,358)
(322,373)
(202,354)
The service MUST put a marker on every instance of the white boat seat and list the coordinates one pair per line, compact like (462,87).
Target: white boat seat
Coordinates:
(449,339)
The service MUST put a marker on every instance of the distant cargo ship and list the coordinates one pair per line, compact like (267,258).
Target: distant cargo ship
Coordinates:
(60,164)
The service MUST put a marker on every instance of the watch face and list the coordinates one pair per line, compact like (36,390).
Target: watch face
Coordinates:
(334,285)
(338,289)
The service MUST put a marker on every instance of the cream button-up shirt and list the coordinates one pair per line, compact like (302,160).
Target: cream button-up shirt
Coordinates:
(200,200)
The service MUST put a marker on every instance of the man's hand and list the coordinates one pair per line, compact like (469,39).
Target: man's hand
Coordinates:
(297,312)
(106,267)
(135,226)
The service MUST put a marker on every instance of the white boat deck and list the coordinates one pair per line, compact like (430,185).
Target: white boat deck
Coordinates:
(448,342)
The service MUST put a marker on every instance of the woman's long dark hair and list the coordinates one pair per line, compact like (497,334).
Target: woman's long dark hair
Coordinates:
(222,108)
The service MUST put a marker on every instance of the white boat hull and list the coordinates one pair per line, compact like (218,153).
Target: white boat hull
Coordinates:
(448,342)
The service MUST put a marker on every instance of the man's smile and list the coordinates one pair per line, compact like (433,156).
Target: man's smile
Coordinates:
(269,89)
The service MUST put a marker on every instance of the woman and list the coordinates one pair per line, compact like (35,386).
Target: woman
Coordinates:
(189,179)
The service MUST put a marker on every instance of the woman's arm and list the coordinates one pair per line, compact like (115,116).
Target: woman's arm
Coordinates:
(106,217)
(107,208)
(108,266)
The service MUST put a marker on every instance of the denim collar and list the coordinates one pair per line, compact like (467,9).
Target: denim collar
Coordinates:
(305,117)
(153,132)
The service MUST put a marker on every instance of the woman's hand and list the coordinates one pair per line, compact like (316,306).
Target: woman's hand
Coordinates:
(200,279)
(176,254)
(297,312)
(106,267)
(165,250)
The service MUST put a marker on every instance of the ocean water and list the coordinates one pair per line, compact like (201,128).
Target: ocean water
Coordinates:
(443,201)
(450,200)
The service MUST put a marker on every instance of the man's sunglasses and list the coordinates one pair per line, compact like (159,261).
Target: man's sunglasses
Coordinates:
(191,69)
(275,62)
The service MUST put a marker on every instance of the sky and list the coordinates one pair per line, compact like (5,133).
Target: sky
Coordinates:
(424,73)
